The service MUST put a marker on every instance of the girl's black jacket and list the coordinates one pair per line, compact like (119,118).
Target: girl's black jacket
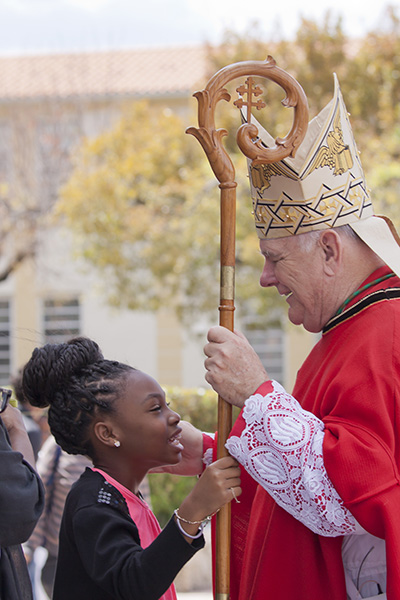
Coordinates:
(100,556)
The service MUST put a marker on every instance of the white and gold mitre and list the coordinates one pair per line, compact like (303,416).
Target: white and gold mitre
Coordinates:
(323,186)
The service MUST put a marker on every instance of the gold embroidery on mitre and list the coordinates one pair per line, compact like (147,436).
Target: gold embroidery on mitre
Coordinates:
(261,175)
(356,197)
(328,207)
(333,206)
(336,155)
(261,213)
(289,215)
(282,213)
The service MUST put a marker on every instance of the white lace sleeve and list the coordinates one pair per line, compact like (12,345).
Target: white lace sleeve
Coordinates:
(281,448)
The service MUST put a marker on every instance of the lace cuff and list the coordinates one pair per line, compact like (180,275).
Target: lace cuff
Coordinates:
(281,448)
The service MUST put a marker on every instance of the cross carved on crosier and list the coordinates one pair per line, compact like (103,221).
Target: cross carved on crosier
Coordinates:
(250,89)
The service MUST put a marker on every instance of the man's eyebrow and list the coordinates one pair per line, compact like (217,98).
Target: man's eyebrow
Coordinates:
(270,253)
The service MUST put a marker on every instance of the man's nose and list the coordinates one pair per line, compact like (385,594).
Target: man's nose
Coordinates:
(267,278)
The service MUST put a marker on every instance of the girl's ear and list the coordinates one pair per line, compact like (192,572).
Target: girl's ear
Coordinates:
(103,432)
(333,250)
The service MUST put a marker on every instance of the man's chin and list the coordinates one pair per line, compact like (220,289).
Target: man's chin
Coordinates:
(294,317)
(300,320)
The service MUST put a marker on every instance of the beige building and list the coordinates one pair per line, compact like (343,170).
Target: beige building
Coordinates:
(47,103)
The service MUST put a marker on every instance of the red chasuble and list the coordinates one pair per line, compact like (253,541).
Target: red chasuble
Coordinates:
(351,381)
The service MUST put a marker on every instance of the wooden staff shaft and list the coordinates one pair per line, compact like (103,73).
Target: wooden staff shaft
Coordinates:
(247,138)
(226,308)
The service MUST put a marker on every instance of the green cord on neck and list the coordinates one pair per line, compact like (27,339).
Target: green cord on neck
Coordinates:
(356,293)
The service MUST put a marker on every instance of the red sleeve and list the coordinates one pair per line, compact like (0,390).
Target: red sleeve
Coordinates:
(265,388)
(208,442)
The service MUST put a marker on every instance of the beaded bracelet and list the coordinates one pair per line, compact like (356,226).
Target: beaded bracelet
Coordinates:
(204,521)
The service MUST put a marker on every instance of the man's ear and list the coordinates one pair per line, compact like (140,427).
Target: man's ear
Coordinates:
(104,433)
(332,248)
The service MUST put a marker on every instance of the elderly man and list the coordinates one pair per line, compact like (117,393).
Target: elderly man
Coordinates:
(325,519)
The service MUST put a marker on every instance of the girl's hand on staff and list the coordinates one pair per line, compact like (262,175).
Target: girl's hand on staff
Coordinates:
(218,485)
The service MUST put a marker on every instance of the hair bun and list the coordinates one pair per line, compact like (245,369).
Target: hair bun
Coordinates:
(52,366)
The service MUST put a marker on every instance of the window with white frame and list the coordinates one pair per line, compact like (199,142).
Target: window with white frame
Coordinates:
(5,342)
(61,320)
(269,343)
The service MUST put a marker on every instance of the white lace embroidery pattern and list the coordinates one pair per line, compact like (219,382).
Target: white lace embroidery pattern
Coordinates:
(281,448)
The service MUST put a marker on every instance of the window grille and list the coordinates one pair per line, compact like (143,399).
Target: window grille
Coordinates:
(5,342)
(61,320)
(269,344)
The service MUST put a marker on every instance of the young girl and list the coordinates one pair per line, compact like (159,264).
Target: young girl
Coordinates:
(111,546)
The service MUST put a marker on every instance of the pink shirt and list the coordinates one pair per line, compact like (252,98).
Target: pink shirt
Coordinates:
(144,520)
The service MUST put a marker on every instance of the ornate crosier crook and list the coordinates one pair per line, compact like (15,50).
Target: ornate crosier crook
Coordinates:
(211,140)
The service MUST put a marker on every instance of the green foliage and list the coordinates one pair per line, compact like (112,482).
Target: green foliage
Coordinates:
(384,175)
(167,493)
(152,230)
(199,407)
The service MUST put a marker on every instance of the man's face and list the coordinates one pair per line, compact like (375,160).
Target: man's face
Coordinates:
(297,272)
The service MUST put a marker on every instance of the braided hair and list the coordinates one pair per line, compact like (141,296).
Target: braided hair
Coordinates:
(77,383)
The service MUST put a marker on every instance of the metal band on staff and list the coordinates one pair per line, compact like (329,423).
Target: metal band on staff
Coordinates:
(211,140)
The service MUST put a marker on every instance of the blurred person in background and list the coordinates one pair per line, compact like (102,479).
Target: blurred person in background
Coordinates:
(21,500)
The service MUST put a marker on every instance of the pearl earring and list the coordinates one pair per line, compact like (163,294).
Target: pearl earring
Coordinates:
(117,443)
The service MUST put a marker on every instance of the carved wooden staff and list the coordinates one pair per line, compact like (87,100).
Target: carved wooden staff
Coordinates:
(211,140)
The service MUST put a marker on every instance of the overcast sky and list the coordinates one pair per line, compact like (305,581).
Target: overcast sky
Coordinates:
(73,25)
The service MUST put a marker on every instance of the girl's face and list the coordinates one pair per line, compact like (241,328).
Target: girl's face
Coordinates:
(147,429)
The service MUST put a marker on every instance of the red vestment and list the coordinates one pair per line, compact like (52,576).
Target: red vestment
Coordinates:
(351,381)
